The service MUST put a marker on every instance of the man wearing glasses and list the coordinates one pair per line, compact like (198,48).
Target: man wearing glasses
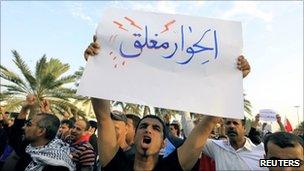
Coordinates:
(39,149)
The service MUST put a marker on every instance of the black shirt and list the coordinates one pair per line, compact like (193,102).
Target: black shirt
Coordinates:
(122,163)
(130,153)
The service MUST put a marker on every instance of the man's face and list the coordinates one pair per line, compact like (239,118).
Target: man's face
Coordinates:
(234,129)
(64,130)
(173,131)
(78,130)
(32,131)
(131,131)
(276,152)
(121,131)
(149,137)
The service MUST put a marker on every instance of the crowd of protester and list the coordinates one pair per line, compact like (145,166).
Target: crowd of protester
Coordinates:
(124,141)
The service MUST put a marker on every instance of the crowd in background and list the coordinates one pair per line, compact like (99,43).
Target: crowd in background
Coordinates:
(124,141)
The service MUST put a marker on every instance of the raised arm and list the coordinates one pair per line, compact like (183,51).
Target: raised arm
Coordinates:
(253,134)
(107,142)
(189,152)
(16,132)
(279,121)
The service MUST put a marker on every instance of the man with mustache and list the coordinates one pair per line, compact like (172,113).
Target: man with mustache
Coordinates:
(236,153)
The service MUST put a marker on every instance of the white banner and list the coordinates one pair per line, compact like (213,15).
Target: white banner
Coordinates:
(267,115)
(169,61)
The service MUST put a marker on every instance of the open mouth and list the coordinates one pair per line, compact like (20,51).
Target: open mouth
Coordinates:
(146,140)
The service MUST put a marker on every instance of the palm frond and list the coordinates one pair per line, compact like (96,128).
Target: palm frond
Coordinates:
(56,67)
(14,88)
(47,83)
(66,106)
(14,104)
(62,81)
(24,70)
(40,68)
(79,73)
(121,104)
(247,106)
(12,77)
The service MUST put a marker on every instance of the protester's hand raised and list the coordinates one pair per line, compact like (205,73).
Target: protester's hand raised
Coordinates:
(29,104)
(93,49)
(45,106)
(256,121)
(257,117)
(243,65)
(278,118)
(29,101)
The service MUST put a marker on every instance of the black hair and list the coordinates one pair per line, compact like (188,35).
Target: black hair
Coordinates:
(73,119)
(68,122)
(50,123)
(134,118)
(93,124)
(177,127)
(283,140)
(157,118)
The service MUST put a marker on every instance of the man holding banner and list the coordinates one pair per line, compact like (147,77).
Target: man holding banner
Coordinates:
(184,63)
(149,137)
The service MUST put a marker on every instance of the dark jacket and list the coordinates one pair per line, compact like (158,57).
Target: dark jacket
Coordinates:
(18,144)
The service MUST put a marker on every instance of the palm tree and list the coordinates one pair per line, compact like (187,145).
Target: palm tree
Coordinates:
(133,108)
(247,106)
(46,83)
(129,107)
(162,111)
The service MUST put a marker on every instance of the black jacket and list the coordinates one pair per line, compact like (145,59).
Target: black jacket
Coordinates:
(18,144)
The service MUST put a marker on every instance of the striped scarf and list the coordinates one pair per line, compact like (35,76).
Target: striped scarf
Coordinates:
(55,153)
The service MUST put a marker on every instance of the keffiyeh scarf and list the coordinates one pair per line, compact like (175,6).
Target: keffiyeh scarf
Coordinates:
(55,153)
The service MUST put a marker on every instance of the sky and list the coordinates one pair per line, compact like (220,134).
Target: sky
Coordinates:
(272,39)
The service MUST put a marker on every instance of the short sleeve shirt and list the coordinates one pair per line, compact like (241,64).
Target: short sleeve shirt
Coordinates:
(227,158)
(122,163)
